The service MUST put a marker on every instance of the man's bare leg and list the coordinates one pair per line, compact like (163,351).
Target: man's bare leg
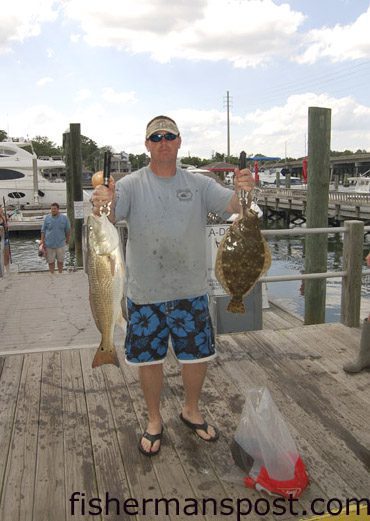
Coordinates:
(151,381)
(60,266)
(193,376)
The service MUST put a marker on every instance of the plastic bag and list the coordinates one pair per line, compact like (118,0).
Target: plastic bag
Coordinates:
(41,250)
(265,450)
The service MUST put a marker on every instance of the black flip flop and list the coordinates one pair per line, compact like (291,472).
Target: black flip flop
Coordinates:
(152,438)
(201,427)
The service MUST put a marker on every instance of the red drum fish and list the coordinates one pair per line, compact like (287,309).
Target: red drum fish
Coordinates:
(105,270)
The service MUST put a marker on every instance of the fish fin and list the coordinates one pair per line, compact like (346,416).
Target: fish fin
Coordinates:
(105,357)
(236,305)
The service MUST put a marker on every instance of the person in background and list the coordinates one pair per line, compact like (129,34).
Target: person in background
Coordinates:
(4,233)
(166,210)
(55,234)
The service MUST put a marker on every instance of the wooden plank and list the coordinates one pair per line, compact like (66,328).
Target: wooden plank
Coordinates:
(141,476)
(329,357)
(79,462)
(49,502)
(251,373)
(344,451)
(173,482)
(203,462)
(9,387)
(109,467)
(19,480)
(233,379)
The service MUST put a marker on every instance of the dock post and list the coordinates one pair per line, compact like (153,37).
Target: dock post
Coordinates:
(69,186)
(352,263)
(76,171)
(316,246)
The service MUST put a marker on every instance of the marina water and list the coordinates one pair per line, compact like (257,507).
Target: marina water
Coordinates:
(287,259)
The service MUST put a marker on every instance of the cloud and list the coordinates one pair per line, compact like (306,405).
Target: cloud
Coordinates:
(83,94)
(112,96)
(245,33)
(338,43)
(44,81)
(23,19)
(286,126)
(271,132)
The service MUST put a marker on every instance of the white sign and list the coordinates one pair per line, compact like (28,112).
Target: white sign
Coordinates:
(78,209)
(214,236)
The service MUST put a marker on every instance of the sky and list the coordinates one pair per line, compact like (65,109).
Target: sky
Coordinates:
(111,66)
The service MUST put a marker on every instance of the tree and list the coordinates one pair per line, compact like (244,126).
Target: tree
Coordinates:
(3,135)
(138,160)
(89,153)
(44,147)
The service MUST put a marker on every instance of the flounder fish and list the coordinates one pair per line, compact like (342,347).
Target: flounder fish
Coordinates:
(242,257)
(105,270)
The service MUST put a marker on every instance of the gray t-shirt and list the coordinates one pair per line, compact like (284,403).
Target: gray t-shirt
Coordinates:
(166,218)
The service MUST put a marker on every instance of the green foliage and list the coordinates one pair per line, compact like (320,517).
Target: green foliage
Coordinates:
(138,161)
(89,153)
(44,147)
(3,135)
(217,157)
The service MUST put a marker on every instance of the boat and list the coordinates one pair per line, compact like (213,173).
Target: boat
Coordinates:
(17,180)
(270,182)
(360,184)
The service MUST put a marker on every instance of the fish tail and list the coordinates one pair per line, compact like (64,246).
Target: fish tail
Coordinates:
(236,305)
(102,356)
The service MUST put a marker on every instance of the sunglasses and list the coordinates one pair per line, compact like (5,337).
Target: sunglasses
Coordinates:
(168,136)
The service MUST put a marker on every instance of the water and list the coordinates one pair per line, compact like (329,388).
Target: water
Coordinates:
(24,249)
(287,259)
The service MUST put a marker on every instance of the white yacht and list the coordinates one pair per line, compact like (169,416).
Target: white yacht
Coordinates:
(360,184)
(16,176)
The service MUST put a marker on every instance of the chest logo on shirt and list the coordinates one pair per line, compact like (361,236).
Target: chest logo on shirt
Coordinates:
(184,195)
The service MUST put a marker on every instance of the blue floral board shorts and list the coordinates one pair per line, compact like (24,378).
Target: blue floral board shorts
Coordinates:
(187,322)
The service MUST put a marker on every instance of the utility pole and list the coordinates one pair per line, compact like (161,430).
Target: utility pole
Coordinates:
(228,101)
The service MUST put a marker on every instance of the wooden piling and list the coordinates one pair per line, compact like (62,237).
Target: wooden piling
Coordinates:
(76,171)
(69,187)
(319,126)
(352,263)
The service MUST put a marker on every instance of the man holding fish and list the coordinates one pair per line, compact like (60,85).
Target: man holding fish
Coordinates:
(166,210)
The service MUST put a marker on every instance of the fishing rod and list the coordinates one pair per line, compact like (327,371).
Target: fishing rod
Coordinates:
(106,169)
(6,231)
(106,176)
(242,165)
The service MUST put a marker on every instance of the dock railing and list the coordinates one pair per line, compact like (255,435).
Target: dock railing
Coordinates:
(352,266)
(351,274)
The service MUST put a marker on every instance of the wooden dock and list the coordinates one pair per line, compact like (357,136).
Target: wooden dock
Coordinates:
(341,205)
(66,428)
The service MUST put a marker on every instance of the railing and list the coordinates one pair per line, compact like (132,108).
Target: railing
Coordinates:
(334,196)
(352,262)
